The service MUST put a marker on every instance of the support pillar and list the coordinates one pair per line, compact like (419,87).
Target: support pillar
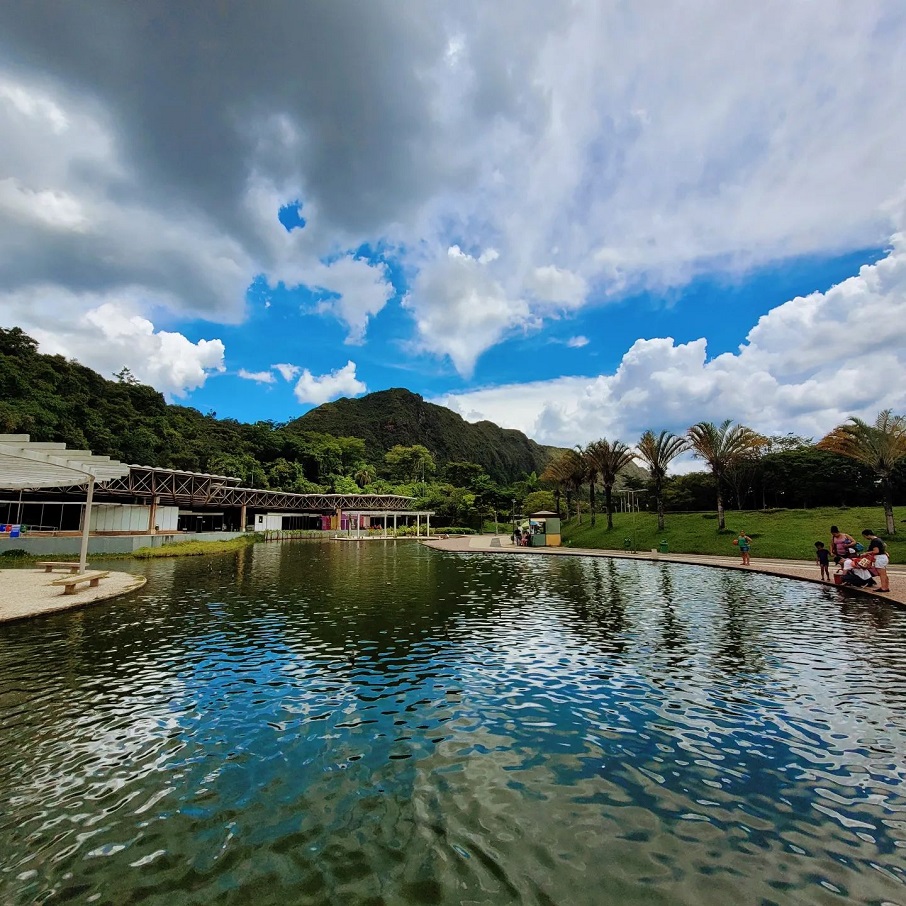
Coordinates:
(418,525)
(86,524)
(242,517)
(152,516)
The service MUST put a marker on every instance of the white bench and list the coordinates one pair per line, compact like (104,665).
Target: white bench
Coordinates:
(51,565)
(70,583)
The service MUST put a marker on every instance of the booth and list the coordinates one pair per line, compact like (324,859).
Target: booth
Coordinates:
(544,529)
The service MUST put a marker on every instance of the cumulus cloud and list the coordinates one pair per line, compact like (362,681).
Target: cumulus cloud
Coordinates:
(108,336)
(260,377)
(460,309)
(574,152)
(286,371)
(805,366)
(321,389)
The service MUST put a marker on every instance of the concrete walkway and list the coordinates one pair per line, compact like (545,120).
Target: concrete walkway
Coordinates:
(28,593)
(789,569)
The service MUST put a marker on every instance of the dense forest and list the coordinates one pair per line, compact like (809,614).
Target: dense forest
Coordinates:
(388,442)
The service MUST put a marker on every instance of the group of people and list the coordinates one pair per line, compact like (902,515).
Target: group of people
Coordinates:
(856,565)
(522,537)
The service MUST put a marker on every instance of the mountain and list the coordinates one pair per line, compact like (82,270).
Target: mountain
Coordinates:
(390,417)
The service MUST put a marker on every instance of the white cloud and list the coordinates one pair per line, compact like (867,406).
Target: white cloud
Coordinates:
(572,152)
(553,284)
(261,377)
(460,309)
(287,372)
(321,389)
(805,366)
(107,335)
(577,342)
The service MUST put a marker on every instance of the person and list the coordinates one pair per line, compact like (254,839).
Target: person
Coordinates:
(517,536)
(877,547)
(855,570)
(822,558)
(840,543)
(745,543)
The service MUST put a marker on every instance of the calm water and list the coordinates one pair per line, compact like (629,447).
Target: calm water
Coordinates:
(382,724)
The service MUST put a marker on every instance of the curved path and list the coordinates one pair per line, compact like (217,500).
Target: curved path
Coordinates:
(28,592)
(790,569)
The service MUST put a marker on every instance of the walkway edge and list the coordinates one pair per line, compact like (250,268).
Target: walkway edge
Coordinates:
(799,570)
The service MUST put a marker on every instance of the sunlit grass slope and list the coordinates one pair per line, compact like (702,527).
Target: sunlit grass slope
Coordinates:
(786,534)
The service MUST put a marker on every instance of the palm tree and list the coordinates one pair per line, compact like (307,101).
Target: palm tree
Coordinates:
(365,475)
(607,458)
(722,447)
(657,453)
(879,446)
(568,472)
(589,459)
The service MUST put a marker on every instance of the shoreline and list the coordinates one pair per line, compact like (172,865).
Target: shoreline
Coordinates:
(800,570)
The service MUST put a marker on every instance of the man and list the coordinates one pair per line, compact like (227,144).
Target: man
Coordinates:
(877,547)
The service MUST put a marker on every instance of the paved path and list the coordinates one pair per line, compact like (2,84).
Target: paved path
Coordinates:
(28,592)
(789,569)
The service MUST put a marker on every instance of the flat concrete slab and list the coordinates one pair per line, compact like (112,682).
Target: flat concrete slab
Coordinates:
(789,569)
(30,593)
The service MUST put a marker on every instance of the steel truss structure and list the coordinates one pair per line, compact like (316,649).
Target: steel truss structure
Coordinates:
(198,489)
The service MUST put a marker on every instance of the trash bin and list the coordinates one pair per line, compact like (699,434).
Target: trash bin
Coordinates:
(664,547)
(627,544)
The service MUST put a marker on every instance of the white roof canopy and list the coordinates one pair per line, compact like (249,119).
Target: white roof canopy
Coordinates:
(28,464)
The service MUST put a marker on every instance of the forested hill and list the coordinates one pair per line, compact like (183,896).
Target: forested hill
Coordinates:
(398,416)
(57,399)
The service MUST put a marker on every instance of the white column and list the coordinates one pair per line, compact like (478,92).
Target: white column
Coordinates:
(86,522)
(427,525)
(418,525)
(394,525)
(385,525)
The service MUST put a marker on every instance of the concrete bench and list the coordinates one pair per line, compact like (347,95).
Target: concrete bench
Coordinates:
(69,583)
(50,565)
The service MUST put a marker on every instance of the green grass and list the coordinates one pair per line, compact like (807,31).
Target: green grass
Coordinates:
(196,548)
(782,534)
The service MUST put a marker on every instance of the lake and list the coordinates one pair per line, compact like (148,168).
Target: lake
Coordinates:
(379,723)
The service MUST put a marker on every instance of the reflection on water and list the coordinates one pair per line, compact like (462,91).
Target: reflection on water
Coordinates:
(382,724)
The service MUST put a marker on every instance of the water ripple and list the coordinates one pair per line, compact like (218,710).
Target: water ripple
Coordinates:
(344,724)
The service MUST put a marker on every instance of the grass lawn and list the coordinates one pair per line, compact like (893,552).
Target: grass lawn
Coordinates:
(784,534)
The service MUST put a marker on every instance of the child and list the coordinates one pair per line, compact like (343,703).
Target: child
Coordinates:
(822,558)
(744,542)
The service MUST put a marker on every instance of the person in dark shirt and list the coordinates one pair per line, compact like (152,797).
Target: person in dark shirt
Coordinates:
(822,558)
(877,547)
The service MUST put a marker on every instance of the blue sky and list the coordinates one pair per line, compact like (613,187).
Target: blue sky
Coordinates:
(579,221)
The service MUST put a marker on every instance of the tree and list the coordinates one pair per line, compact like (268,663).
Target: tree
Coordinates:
(567,471)
(880,446)
(607,459)
(365,475)
(721,447)
(125,376)
(539,501)
(657,453)
(413,463)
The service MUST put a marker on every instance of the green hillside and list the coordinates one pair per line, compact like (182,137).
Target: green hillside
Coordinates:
(397,416)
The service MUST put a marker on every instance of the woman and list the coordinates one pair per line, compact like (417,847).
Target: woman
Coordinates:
(840,543)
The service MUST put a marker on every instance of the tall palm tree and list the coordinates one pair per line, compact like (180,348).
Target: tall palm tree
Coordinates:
(590,460)
(657,453)
(568,472)
(721,447)
(879,446)
(608,458)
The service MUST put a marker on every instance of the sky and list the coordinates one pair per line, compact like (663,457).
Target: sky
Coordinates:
(580,220)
